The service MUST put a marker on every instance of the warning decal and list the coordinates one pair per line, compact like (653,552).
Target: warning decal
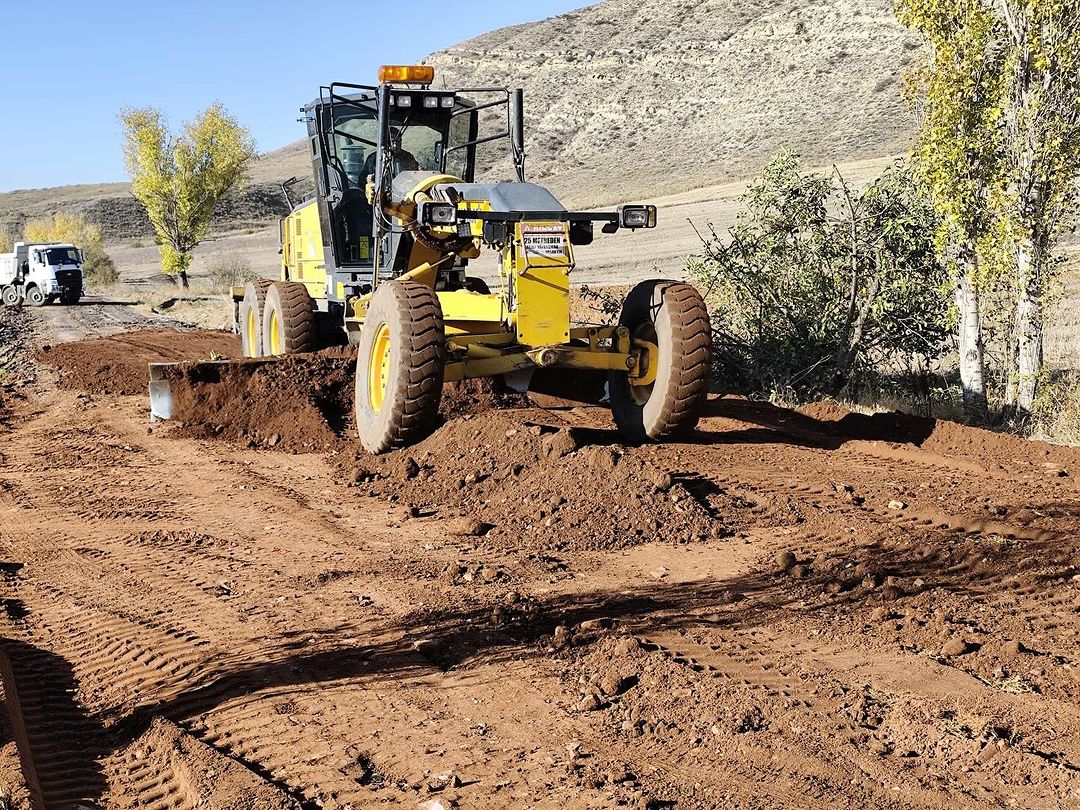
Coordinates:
(544,240)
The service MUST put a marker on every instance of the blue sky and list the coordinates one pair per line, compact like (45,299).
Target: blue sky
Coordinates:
(73,64)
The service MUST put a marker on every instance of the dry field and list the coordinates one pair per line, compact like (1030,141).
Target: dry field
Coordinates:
(790,609)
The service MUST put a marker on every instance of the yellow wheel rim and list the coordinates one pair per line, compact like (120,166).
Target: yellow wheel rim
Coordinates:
(253,346)
(379,368)
(275,333)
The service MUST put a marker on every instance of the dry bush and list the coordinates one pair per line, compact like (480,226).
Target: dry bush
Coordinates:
(228,270)
(1056,415)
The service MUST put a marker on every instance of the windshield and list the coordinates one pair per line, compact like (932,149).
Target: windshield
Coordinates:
(355,134)
(418,139)
(62,256)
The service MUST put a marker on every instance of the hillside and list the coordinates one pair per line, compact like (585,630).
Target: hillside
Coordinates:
(634,98)
(111,205)
(638,98)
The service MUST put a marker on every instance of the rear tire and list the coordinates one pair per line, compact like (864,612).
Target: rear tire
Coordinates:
(251,316)
(10,296)
(399,366)
(288,324)
(672,315)
(35,297)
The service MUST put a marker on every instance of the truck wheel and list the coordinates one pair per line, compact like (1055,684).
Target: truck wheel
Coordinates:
(10,296)
(288,323)
(70,298)
(399,366)
(672,316)
(35,297)
(251,316)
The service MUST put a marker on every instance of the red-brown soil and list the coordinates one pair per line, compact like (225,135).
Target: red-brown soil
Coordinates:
(118,364)
(785,610)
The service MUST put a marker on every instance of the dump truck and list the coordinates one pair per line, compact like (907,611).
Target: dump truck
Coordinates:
(41,273)
(380,257)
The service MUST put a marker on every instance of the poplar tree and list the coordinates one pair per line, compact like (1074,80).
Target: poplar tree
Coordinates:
(959,157)
(1043,160)
(179,179)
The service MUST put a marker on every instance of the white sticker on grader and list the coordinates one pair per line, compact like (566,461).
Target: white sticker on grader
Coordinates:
(544,240)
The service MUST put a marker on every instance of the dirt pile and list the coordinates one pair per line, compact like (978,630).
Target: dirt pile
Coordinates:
(521,481)
(296,404)
(936,435)
(118,364)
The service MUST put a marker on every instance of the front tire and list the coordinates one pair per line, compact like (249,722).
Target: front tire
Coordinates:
(251,316)
(10,296)
(672,316)
(399,366)
(35,297)
(70,299)
(288,323)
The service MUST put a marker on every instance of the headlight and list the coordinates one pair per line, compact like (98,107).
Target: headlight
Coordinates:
(431,102)
(404,101)
(637,216)
(438,213)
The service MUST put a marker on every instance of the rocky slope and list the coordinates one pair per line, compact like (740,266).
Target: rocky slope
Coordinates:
(644,97)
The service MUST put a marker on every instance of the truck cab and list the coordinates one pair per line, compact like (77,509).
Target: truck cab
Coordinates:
(42,273)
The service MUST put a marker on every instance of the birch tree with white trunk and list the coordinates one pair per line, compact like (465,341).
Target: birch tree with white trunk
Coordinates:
(959,157)
(1042,116)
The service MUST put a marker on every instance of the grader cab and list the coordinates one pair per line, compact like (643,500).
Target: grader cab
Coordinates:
(380,257)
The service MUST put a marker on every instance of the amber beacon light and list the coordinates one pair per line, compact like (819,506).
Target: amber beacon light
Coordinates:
(406,74)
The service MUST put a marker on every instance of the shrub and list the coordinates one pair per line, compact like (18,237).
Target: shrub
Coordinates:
(229,270)
(817,283)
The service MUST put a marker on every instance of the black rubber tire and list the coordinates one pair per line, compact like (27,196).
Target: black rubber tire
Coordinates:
(35,297)
(10,296)
(289,304)
(252,305)
(672,315)
(70,299)
(477,285)
(412,315)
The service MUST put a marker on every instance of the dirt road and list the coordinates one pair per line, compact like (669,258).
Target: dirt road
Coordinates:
(792,609)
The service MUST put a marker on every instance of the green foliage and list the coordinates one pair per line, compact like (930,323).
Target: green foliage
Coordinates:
(98,267)
(817,283)
(179,179)
(959,153)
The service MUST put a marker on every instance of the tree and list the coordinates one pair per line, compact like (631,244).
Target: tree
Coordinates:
(7,243)
(75,230)
(959,158)
(179,179)
(817,282)
(1043,159)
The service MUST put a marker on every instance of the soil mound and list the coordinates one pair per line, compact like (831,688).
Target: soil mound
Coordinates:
(297,404)
(939,436)
(519,481)
(118,364)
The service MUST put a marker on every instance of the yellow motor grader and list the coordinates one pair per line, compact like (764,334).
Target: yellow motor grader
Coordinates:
(379,256)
